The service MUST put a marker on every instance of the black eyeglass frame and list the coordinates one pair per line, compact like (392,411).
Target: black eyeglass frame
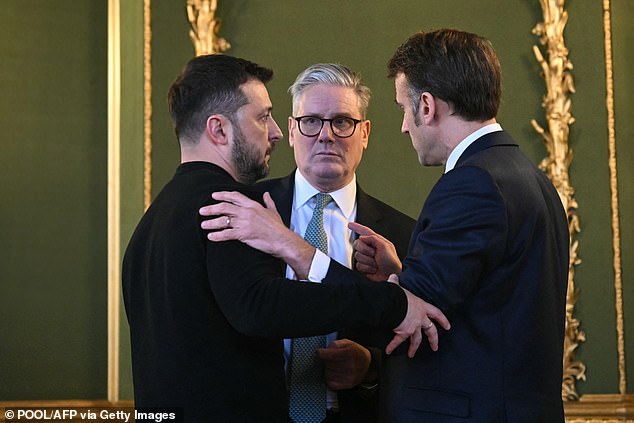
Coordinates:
(354,128)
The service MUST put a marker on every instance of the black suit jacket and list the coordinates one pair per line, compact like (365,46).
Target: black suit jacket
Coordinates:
(491,250)
(356,405)
(207,319)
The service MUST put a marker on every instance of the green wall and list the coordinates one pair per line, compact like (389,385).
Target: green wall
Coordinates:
(623,42)
(53,221)
(132,155)
(290,35)
(53,155)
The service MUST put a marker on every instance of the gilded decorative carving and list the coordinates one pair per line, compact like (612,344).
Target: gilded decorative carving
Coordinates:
(614,200)
(147,103)
(583,420)
(557,103)
(601,408)
(114,195)
(205,27)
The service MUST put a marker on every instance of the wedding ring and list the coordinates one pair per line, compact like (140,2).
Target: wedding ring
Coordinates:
(228,221)
(429,325)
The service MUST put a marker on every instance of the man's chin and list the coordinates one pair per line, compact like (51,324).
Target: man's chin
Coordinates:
(329,170)
(333,175)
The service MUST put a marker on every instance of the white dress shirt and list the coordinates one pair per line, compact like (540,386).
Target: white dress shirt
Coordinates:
(460,148)
(337,214)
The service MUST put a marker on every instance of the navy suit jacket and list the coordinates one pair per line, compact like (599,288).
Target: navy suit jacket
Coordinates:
(356,405)
(491,250)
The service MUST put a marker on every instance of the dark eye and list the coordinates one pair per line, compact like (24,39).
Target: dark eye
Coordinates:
(309,120)
(342,123)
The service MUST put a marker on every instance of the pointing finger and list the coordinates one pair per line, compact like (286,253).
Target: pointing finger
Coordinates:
(360,229)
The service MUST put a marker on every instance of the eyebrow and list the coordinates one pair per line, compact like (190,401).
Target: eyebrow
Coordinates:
(334,115)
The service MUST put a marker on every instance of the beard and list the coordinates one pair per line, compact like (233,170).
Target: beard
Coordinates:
(250,165)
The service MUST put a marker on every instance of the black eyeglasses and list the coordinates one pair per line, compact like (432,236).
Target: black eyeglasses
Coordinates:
(343,127)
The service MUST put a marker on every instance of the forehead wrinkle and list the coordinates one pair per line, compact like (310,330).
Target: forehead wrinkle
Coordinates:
(328,101)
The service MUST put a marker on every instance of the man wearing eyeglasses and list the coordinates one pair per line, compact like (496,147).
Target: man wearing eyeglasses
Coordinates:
(329,133)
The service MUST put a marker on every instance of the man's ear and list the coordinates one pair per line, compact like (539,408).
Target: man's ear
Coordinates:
(365,126)
(427,107)
(218,129)
(291,134)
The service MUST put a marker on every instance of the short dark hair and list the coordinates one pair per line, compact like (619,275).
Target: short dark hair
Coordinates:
(458,67)
(210,85)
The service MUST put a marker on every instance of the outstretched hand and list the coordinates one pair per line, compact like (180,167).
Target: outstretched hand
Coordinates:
(419,319)
(374,254)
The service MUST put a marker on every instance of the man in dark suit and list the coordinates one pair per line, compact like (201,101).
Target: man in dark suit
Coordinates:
(490,248)
(206,319)
(327,162)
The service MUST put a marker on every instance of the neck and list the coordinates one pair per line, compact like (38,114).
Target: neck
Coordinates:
(195,153)
(459,129)
(328,186)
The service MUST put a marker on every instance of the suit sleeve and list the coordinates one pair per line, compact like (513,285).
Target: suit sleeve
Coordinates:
(459,237)
(257,302)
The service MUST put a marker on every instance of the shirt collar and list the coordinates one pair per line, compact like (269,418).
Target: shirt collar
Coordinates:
(460,148)
(344,197)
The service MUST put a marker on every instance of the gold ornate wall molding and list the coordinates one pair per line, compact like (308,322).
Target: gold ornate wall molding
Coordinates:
(114,197)
(147,103)
(205,27)
(558,105)
(114,176)
(601,409)
(614,200)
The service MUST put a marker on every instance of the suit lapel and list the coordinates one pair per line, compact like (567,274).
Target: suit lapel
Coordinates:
(281,191)
(282,194)
(367,214)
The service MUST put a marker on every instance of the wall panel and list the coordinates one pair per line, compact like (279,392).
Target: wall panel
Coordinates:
(53,200)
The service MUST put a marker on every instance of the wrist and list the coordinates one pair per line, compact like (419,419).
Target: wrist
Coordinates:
(372,374)
(368,388)
(397,268)
(298,254)
(370,384)
(371,377)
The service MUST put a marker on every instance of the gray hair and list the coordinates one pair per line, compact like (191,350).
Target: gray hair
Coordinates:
(332,74)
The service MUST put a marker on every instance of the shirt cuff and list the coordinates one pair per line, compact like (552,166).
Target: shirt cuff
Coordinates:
(318,267)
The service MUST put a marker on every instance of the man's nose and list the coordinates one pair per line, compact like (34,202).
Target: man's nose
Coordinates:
(275,133)
(326,134)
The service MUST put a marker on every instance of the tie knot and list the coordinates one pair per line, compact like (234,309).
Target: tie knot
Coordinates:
(315,233)
(322,200)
